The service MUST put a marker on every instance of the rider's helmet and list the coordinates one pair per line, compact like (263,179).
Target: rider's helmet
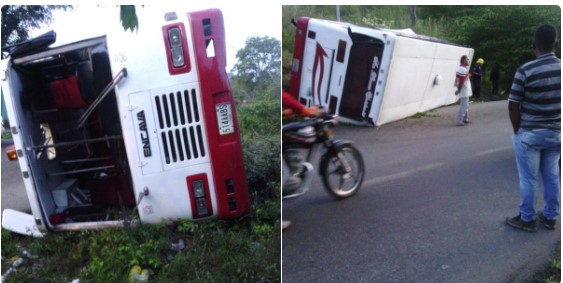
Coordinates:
(480,61)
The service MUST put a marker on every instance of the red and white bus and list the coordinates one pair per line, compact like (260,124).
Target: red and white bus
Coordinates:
(142,119)
(371,76)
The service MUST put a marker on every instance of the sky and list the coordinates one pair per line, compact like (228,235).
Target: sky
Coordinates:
(88,21)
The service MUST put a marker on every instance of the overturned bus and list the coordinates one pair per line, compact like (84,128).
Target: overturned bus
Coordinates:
(125,127)
(371,76)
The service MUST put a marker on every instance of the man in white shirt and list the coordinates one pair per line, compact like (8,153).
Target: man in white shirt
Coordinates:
(464,90)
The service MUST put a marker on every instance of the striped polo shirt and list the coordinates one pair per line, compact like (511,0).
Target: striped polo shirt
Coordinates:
(537,86)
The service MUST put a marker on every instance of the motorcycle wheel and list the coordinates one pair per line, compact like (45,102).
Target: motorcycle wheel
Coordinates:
(336,180)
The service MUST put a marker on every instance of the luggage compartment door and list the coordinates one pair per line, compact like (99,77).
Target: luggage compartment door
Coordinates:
(361,78)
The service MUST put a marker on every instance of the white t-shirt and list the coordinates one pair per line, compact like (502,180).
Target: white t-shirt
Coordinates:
(465,90)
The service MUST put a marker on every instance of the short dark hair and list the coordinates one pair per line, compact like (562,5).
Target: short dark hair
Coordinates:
(464,57)
(545,38)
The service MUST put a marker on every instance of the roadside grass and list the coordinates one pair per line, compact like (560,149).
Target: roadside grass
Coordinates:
(554,272)
(6,134)
(550,274)
(419,115)
(243,250)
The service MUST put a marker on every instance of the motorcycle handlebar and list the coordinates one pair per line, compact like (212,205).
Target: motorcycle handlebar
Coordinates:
(324,118)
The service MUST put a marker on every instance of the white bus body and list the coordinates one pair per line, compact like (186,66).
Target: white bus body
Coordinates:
(371,76)
(163,143)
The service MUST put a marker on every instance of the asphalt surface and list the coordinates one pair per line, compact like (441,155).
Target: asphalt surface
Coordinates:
(13,191)
(432,208)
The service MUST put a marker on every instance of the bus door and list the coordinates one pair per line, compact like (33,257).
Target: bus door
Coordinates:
(361,77)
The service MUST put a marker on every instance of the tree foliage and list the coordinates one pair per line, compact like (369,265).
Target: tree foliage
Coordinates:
(255,81)
(128,17)
(19,20)
(258,66)
(502,35)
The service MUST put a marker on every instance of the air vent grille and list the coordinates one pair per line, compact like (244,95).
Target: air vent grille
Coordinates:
(179,126)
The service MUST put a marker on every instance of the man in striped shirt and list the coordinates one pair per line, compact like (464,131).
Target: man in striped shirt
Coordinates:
(535,113)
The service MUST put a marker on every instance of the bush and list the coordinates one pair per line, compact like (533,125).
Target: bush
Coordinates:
(260,133)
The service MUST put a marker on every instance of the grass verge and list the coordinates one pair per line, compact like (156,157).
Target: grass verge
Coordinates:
(243,250)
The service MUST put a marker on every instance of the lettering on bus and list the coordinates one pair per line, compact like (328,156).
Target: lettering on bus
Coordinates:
(371,85)
(144,134)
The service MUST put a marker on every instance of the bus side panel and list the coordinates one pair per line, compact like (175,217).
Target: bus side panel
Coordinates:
(410,70)
(298,50)
(224,147)
(439,89)
(410,86)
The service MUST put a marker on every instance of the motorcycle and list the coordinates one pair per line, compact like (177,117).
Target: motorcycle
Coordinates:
(341,164)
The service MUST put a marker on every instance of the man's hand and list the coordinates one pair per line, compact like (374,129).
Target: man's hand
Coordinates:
(514,114)
(313,111)
(288,113)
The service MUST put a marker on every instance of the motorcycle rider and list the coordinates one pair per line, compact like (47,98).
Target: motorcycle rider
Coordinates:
(292,106)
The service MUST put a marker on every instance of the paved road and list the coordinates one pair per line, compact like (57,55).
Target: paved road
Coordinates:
(432,208)
(13,190)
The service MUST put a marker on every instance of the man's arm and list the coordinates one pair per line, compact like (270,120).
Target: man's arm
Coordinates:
(514,113)
(292,103)
(459,81)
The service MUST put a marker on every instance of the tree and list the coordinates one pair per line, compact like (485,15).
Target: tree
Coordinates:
(412,12)
(19,20)
(503,34)
(487,32)
(128,17)
(255,81)
(258,66)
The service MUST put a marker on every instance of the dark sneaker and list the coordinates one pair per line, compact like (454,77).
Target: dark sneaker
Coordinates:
(517,222)
(549,224)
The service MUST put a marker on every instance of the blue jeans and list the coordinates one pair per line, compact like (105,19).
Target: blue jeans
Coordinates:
(538,154)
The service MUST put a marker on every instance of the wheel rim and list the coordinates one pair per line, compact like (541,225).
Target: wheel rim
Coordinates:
(337,180)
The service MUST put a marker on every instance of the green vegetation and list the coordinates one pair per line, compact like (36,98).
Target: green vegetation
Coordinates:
(19,20)
(245,250)
(554,271)
(6,135)
(422,115)
(256,81)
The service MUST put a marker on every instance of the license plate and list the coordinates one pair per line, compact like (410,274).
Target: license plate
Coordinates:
(225,118)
